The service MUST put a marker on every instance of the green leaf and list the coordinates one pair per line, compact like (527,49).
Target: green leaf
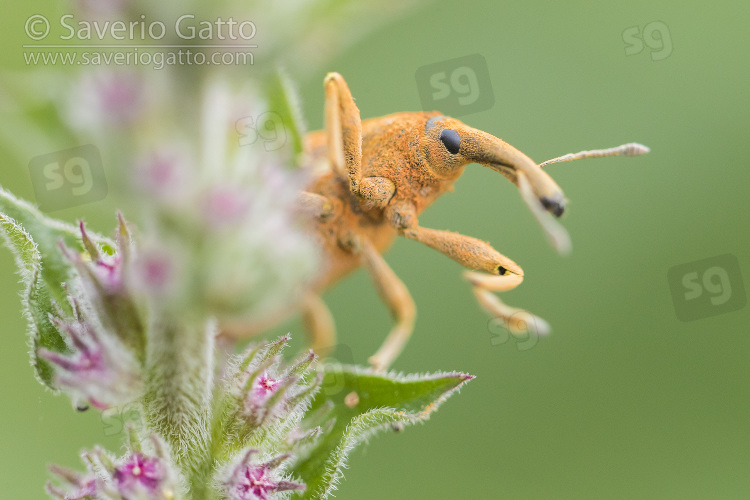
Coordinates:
(47,233)
(284,100)
(35,298)
(363,404)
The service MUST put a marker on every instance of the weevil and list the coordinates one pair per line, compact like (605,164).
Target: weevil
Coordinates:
(375,177)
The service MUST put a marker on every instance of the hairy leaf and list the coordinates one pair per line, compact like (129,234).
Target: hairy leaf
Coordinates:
(37,304)
(364,403)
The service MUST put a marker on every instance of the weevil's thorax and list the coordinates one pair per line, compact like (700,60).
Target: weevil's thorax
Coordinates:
(394,147)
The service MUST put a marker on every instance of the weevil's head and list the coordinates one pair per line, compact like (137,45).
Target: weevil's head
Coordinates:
(448,145)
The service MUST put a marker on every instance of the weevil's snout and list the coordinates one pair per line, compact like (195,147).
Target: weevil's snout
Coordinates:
(500,156)
(452,144)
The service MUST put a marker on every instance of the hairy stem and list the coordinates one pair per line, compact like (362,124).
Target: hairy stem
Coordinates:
(178,398)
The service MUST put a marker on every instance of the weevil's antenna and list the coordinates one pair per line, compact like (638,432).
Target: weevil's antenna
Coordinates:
(630,149)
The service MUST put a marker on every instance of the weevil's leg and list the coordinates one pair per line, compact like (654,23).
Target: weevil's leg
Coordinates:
(344,130)
(517,320)
(498,272)
(378,191)
(319,325)
(395,294)
(630,149)
(314,205)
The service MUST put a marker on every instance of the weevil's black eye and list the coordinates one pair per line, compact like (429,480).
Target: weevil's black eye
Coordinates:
(451,140)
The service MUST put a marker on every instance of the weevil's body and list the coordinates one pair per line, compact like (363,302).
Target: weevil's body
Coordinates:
(370,182)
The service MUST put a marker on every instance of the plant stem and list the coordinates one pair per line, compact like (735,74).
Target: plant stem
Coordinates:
(180,370)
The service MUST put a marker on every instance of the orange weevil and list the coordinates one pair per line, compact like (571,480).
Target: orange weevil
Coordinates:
(378,175)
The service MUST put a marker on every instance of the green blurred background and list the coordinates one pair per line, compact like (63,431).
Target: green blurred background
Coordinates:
(623,400)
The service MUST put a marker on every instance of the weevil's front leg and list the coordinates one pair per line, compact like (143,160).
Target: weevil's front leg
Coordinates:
(344,133)
(498,272)
(319,325)
(395,294)
(344,130)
